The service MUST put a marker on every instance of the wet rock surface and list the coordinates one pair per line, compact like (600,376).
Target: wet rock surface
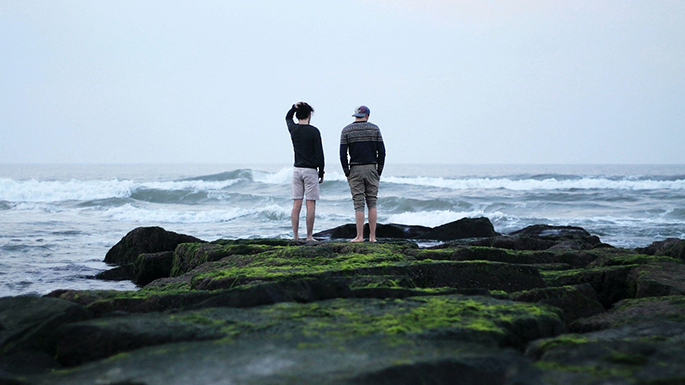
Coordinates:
(546,305)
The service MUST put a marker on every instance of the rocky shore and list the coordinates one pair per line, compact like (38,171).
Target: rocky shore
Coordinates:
(458,303)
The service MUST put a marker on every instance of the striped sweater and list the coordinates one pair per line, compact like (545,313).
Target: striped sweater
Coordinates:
(364,142)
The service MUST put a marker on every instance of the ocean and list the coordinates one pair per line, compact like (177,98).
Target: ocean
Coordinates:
(57,222)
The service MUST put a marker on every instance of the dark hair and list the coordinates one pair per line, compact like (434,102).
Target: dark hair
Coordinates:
(303,111)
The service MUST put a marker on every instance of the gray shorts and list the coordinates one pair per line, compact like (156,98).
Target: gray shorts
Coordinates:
(305,183)
(364,181)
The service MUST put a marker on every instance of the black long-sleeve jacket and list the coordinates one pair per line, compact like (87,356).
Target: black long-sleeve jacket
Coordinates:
(306,144)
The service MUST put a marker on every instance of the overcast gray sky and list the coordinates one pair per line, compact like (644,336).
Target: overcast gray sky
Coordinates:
(460,81)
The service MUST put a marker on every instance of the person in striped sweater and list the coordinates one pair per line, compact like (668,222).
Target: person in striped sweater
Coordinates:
(362,156)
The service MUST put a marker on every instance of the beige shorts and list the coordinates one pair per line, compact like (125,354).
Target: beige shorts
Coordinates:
(305,184)
(364,181)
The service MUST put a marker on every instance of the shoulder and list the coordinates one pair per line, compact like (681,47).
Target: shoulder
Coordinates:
(348,127)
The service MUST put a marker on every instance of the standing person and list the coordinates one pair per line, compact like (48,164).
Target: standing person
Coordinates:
(364,143)
(308,158)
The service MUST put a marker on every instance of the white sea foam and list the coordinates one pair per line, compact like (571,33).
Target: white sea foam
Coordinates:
(77,190)
(54,191)
(130,213)
(284,176)
(539,184)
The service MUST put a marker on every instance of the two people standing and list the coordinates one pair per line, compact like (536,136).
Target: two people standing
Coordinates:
(362,156)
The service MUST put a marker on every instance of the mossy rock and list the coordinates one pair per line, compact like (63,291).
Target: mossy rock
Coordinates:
(611,282)
(566,258)
(645,353)
(658,279)
(260,362)
(149,267)
(191,255)
(342,341)
(671,247)
(579,301)
(27,325)
(146,240)
(631,311)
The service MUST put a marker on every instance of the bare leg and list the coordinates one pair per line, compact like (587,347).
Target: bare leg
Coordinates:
(311,211)
(359,221)
(295,217)
(373,217)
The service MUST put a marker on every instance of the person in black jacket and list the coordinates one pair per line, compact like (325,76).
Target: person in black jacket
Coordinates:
(308,159)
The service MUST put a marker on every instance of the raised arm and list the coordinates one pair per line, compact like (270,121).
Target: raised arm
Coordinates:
(289,117)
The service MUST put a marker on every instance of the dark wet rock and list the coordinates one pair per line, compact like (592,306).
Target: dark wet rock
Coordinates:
(400,293)
(544,237)
(298,290)
(657,280)
(617,362)
(461,229)
(107,337)
(632,311)
(611,283)
(145,240)
(152,302)
(641,352)
(391,231)
(119,273)
(577,302)
(149,267)
(671,247)
(191,255)
(82,297)
(273,311)
(467,275)
(505,368)
(558,259)
(27,339)
(316,343)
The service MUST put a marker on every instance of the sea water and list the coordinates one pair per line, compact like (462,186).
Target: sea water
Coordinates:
(58,221)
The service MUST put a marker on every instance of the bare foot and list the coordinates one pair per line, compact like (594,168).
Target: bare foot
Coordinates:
(310,239)
(372,240)
(357,240)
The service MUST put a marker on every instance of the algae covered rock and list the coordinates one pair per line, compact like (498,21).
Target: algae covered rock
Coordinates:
(341,341)
(276,311)
(638,352)
(671,247)
(544,237)
(629,311)
(27,325)
(149,267)
(146,240)
(577,302)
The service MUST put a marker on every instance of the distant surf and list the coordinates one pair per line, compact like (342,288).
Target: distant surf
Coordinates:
(57,222)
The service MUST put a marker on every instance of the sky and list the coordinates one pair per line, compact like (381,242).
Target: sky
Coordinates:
(456,82)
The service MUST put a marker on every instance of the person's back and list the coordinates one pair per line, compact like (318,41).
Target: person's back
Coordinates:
(306,145)
(363,142)
(308,158)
